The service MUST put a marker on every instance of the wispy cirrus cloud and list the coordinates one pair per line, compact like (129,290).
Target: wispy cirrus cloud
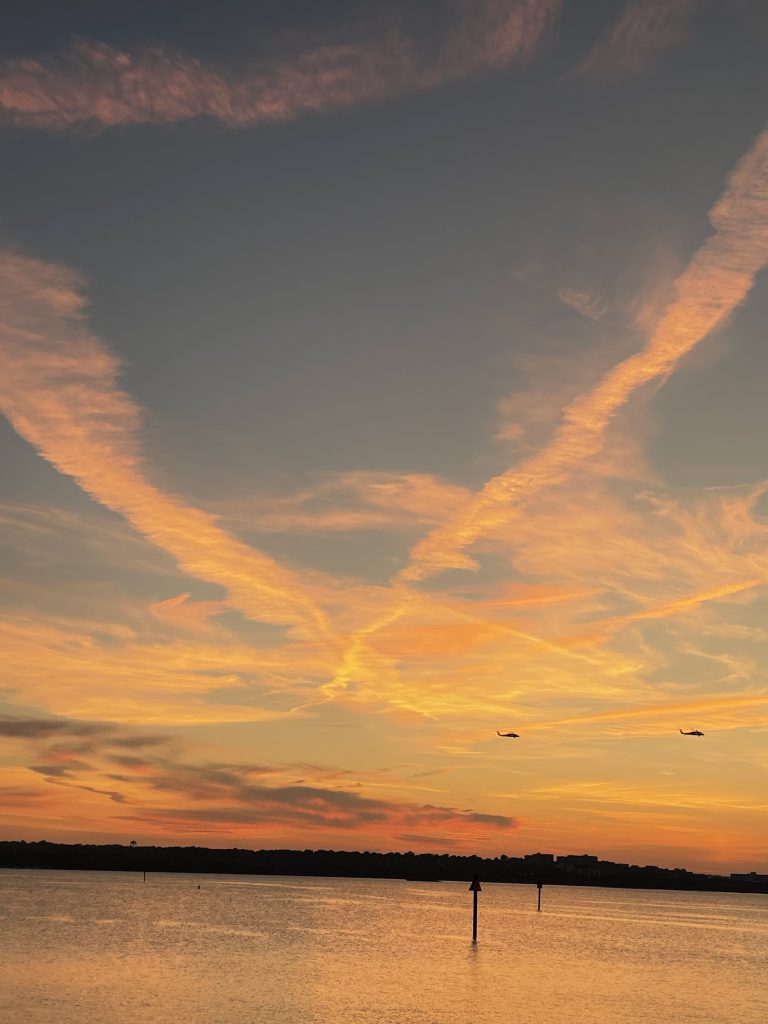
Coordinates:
(82,669)
(640,571)
(96,84)
(721,711)
(181,612)
(643,31)
(350,501)
(717,279)
(58,388)
(583,302)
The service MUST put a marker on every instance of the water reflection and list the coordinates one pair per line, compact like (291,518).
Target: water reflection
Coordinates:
(91,948)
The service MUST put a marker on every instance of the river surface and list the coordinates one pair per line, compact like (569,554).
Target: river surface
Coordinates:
(107,948)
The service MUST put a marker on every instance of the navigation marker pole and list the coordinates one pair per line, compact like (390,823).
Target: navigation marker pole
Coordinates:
(474,889)
(539,887)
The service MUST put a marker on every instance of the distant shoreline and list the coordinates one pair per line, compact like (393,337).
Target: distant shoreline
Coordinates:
(423,867)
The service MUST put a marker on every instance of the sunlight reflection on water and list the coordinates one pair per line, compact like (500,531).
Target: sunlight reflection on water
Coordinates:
(90,948)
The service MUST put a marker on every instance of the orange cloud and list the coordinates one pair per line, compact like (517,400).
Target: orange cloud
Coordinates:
(351,501)
(589,533)
(141,779)
(722,707)
(645,579)
(717,279)
(681,605)
(104,670)
(644,30)
(647,545)
(181,612)
(58,389)
(97,84)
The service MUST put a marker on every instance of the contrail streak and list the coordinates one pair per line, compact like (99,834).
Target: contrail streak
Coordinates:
(58,389)
(717,279)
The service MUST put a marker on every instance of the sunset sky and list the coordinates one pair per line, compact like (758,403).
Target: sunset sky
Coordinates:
(377,375)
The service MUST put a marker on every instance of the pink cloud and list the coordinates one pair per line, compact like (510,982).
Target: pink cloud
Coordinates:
(644,30)
(181,612)
(96,84)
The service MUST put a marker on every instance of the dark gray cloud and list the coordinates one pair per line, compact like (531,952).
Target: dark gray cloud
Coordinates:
(222,793)
(314,806)
(127,761)
(53,771)
(90,734)
(114,795)
(138,742)
(497,820)
(60,763)
(44,728)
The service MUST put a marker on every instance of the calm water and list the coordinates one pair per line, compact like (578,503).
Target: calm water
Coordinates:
(102,948)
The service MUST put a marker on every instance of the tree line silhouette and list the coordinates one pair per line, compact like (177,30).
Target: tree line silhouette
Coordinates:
(367,864)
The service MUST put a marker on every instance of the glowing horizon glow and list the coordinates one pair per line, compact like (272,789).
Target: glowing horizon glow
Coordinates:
(199,648)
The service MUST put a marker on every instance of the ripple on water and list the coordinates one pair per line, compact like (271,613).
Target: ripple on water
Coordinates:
(350,951)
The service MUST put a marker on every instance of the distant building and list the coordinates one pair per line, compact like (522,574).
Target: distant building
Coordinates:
(584,865)
(751,876)
(609,868)
(539,860)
